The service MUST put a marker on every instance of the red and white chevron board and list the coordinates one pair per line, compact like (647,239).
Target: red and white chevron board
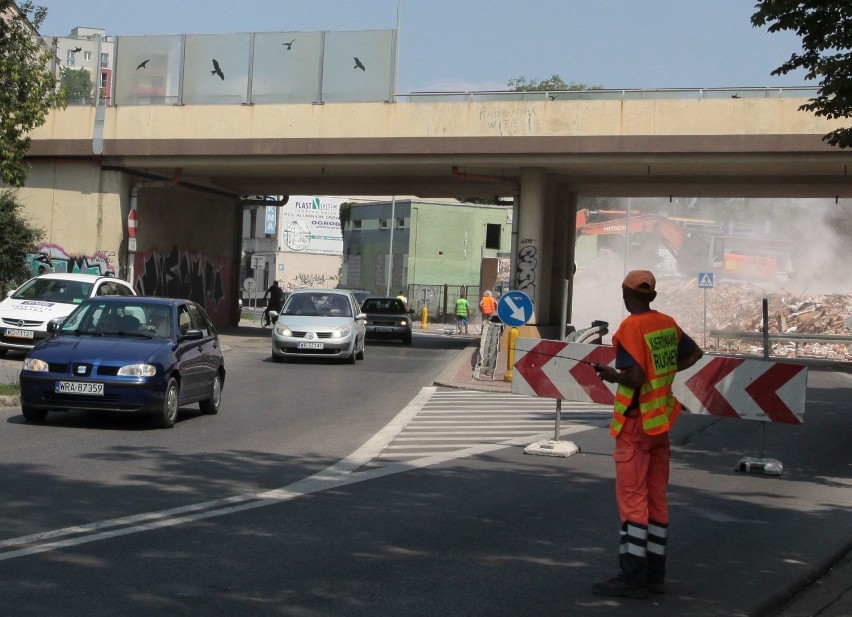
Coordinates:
(729,387)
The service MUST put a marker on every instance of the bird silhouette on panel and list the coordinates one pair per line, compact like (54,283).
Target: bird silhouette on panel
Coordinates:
(289,45)
(143,64)
(77,50)
(359,65)
(552,97)
(735,96)
(217,70)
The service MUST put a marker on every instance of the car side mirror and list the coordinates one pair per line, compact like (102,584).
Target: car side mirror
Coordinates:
(361,317)
(53,325)
(192,335)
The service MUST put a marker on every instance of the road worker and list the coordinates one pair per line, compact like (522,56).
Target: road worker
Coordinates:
(650,348)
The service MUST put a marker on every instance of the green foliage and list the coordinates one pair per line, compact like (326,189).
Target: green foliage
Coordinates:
(554,84)
(17,239)
(10,389)
(826,32)
(27,87)
(76,84)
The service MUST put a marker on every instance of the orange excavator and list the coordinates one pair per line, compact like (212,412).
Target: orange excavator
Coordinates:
(708,249)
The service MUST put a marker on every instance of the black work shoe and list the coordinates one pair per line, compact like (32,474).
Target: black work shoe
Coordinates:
(619,588)
(657,587)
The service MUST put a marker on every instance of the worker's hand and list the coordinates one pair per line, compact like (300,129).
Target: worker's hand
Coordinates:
(606,373)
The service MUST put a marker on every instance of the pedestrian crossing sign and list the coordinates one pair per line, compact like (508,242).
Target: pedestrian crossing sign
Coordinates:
(705,280)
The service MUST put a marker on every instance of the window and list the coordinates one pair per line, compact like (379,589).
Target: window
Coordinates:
(253,222)
(199,320)
(184,320)
(383,223)
(493,235)
(104,61)
(356,224)
(87,56)
(69,58)
(400,223)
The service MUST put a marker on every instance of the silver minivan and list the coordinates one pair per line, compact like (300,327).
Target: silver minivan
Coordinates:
(319,323)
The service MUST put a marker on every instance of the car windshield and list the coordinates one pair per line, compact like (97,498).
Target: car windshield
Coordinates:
(319,304)
(121,318)
(53,290)
(383,305)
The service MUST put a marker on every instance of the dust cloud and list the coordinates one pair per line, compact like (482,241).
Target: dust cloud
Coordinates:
(807,241)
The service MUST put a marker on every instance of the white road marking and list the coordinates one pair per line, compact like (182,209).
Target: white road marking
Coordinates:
(340,474)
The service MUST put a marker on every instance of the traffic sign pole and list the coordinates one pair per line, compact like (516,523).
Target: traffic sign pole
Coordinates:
(705,282)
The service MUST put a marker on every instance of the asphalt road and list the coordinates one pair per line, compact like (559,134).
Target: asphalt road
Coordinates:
(324,490)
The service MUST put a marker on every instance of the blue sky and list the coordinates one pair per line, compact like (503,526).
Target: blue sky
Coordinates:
(482,44)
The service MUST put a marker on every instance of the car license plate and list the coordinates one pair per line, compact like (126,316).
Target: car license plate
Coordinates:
(80,387)
(310,345)
(13,333)
(383,329)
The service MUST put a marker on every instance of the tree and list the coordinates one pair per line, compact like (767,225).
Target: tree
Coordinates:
(76,84)
(18,238)
(27,87)
(826,32)
(554,84)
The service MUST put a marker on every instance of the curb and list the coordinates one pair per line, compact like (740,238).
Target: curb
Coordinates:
(458,374)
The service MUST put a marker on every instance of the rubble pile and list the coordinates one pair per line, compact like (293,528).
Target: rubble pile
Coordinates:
(738,307)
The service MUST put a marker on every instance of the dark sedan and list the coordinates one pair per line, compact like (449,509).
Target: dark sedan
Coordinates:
(126,354)
(387,318)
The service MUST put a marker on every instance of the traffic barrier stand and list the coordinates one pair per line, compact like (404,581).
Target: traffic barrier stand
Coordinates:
(766,466)
(555,446)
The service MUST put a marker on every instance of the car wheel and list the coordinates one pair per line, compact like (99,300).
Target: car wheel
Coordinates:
(360,354)
(279,359)
(3,352)
(33,415)
(407,339)
(169,413)
(211,405)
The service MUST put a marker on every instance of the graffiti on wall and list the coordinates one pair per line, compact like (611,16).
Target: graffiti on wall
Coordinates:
(183,274)
(314,280)
(505,121)
(527,265)
(53,258)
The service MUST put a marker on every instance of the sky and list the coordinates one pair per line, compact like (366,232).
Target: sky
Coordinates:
(463,45)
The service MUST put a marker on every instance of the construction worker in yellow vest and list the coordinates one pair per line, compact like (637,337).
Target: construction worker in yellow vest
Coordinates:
(650,348)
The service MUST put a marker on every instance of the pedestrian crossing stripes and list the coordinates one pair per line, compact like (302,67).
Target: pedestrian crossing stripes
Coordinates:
(451,420)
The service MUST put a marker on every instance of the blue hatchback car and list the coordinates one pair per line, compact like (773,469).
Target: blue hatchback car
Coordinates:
(126,354)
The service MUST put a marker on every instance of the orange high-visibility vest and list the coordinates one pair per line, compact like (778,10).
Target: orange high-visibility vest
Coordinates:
(488,305)
(652,339)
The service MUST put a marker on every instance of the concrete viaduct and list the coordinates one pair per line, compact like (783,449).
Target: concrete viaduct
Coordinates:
(183,168)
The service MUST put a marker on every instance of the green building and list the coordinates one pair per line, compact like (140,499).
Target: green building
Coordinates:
(436,244)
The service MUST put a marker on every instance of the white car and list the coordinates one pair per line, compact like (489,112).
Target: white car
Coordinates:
(25,313)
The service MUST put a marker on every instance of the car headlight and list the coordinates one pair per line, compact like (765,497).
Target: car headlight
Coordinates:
(34,364)
(342,332)
(282,330)
(137,370)
(403,322)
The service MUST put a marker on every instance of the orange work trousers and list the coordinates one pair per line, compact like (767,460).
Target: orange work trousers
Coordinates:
(641,473)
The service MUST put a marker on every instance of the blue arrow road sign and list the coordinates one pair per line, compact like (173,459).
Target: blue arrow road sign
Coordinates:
(514,308)
(705,280)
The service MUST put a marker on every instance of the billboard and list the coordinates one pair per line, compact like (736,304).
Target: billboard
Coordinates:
(311,224)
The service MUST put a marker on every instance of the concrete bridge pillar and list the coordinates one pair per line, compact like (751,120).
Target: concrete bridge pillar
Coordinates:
(530,268)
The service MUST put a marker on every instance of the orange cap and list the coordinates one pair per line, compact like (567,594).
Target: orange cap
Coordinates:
(642,281)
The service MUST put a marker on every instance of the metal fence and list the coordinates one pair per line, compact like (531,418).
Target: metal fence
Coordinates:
(441,300)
